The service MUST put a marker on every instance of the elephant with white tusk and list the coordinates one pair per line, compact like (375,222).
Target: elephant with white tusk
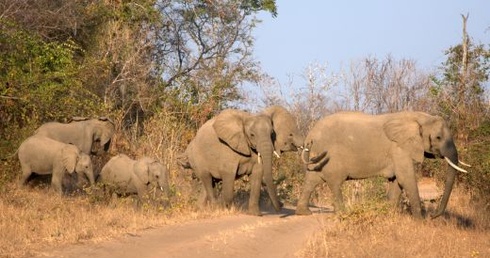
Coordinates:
(82,132)
(44,156)
(354,145)
(131,176)
(237,143)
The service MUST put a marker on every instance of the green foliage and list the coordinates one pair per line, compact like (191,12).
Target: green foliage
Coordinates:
(459,90)
(478,58)
(477,180)
(258,5)
(39,79)
(38,83)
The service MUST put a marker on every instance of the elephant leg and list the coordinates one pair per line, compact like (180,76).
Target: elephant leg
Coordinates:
(256,184)
(207,182)
(56,181)
(336,188)
(394,192)
(312,179)
(227,190)
(405,175)
(26,173)
(203,198)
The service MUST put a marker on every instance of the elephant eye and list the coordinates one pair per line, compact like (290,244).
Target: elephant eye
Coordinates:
(252,134)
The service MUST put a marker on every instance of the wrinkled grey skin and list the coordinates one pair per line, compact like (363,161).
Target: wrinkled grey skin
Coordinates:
(360,146)
(82,132)
(227,147)
(46,156)
(135,176)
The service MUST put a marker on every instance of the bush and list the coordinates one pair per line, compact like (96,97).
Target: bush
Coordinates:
(477,180)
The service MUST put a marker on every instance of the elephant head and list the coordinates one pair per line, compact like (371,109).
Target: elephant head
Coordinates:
(76,161)
(103,131)
(286,135)
(421,134)
(99,131)
(150,171)
(247,134)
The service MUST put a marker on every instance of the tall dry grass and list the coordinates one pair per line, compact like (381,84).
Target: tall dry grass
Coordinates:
(33,219)
(373,230)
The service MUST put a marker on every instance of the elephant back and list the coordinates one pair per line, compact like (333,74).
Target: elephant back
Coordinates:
(117,169)
(65,133)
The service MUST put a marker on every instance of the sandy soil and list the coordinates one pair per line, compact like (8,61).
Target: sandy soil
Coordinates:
(272,235)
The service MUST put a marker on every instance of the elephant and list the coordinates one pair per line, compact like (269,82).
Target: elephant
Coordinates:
(131,176)
(355,145)
(45,156)
(82,132)
(236,143)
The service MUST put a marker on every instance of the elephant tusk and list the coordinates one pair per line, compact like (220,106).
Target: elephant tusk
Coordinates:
(464,164)
(303,155)
(161,188)
(454,166)
(277,154)
(259,158)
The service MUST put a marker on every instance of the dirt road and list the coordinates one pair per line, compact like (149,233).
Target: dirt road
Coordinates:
(272,235)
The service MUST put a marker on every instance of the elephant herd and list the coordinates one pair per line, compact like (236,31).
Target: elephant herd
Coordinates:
(57,149)
(339,147)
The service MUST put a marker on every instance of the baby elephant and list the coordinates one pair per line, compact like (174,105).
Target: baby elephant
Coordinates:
(46,156)
(135,176)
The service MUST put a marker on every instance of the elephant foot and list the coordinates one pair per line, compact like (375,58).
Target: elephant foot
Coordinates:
(303,211)
(254,211)
(279,206)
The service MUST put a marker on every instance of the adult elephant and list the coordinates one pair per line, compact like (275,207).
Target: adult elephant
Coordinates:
(82,132)
(236,143)
(360,146)
(131,176)
(42,155)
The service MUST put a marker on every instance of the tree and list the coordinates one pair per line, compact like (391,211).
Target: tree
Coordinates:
(460,88)
(204,50)
(387,85)
(309,102)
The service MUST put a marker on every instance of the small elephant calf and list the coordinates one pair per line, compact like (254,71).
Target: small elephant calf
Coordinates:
(135,176)
(45,156)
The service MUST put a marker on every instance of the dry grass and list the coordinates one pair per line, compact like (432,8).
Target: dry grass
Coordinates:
(373,231)
(33,219)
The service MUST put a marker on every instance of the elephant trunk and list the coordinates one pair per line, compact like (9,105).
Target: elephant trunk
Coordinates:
(265,150)
(164,186)
(89,173)
(449,151)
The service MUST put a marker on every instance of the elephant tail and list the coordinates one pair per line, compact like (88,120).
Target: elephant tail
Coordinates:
(10,156)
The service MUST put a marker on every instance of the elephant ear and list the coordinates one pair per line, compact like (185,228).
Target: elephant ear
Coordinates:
(278,115)
(107,133)
(69,154)
(141,170)
(229,126)
(408,135)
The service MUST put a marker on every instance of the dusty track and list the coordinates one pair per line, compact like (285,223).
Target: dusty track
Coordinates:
(272,235)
